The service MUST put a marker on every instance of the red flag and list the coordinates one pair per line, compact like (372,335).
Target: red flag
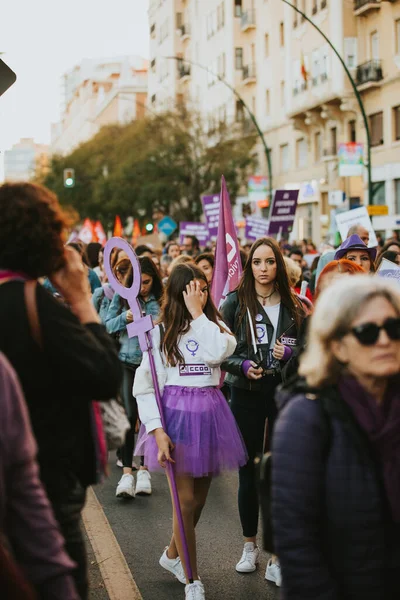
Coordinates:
(228,266)
(86,232)
(100,233)
(118,230)
(136,233)
(303,69)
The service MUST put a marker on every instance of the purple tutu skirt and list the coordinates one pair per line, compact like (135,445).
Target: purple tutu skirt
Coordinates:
(201,426)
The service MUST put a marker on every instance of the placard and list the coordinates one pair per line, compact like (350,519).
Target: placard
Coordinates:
(358,216)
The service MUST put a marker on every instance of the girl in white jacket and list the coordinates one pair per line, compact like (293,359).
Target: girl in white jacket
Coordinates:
(201,437)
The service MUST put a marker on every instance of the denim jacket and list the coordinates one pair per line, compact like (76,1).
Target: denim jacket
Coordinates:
(115,322)
(101,302)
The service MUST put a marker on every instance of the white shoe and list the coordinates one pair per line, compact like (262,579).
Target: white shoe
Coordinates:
(249,560)
(173,565)
(143,482)
(195,591)
(273,573)
(126,486)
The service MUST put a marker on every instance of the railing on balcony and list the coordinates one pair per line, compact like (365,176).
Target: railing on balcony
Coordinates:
(359,4)
(248,19)
(184,71)
(184,30)
(249,72)
(369,72)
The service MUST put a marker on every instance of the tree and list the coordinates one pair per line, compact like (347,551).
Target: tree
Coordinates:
(166,160)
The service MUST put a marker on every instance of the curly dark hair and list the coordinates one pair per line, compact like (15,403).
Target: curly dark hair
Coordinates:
(31,229)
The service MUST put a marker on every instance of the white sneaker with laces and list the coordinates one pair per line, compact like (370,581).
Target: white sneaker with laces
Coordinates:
(195,591)
(249,560)
(143,482)
(173,565)
(126,486)
(273,573)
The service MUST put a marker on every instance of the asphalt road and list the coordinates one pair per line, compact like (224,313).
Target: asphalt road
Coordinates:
(142,528)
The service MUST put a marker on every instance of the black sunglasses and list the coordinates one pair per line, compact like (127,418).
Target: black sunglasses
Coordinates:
(368,333)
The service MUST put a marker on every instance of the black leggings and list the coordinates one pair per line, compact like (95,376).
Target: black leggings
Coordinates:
(130,404)
(251,409)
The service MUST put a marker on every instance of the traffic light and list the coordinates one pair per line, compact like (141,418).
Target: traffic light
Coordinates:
(69,178)
(149,227)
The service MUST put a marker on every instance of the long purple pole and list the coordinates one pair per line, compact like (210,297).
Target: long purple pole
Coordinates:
(141,327)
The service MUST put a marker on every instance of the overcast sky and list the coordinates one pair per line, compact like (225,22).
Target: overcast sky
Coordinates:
(42,39)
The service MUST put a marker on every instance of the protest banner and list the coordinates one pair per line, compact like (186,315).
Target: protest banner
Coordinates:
(389,270)
(200,230)
(357,216)
(228,266)
(283,211)
(256,228)
(211,213)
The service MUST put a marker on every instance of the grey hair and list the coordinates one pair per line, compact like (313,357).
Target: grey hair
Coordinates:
(354,229)
(335,311)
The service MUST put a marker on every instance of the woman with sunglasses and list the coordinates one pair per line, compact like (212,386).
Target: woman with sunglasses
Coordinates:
(336,450)
(118,316)
(264,303)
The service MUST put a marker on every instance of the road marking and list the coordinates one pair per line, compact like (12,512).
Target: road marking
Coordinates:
(114,569)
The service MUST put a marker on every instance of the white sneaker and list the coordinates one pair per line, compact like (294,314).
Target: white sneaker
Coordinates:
(273,573)
(195,591)
(126,486)
(173,565)
(249,560)
(143,482)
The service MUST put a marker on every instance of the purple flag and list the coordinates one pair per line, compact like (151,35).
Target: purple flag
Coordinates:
(228,266)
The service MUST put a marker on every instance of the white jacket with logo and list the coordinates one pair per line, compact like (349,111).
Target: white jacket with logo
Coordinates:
(204,347)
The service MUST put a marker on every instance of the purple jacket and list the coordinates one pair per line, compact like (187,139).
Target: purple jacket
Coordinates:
(26,518)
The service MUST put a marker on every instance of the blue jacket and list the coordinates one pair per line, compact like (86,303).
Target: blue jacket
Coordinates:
(115,323)
(101,302)
(333,531)
(94,283)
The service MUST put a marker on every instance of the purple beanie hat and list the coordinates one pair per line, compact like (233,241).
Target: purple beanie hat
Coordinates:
(354,242)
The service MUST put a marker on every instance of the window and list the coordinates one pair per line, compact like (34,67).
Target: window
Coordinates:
(396,121)
(221,65)
(315,66)
(315,7)
(374,45)
(352,131)
(283,93)
(295,13)
(153,65)
(376,127)
(239,58)
(301,153)
(238,8)
(397,195)
(220,15)
(284,150)
(239,111)
(267,103)
(397,25)
(179,20)
(153,99)
(282,34)
(333,148)
(378,193)
(318,146)
(253,104)
(350,52)
(266,45)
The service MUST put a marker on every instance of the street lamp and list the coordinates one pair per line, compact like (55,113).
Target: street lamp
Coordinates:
(356,92)
(243,103)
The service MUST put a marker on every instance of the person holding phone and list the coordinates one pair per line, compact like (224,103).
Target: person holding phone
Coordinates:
(264,312)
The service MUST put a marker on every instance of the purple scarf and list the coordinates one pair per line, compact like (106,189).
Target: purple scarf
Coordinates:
(382,426)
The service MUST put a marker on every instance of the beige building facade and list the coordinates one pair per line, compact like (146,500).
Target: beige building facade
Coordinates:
(97,93)
(25,160)
(292,81)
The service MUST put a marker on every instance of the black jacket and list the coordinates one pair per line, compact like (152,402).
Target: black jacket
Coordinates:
(244,351)
(78,364)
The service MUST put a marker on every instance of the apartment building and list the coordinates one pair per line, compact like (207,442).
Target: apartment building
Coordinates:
(25,160)
(99,92)
(290,78)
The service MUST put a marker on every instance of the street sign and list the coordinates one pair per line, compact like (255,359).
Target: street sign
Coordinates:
(167,226)
(378,211)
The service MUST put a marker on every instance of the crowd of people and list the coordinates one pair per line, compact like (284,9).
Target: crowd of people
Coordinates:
(300,360)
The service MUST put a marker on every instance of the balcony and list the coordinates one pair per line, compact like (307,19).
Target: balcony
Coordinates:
(369,75)
(249,74)
(184,31)
(362,7)
(184,72)
(248,20)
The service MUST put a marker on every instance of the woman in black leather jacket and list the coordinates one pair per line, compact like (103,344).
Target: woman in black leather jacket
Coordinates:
(277,316)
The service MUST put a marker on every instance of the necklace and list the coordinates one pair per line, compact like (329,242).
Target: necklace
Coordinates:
(265,297)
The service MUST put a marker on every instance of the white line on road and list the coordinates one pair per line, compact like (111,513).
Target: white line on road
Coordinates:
(114,569)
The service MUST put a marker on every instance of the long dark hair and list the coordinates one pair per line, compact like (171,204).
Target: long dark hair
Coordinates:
(174,314)
(247,292)
(147,267)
